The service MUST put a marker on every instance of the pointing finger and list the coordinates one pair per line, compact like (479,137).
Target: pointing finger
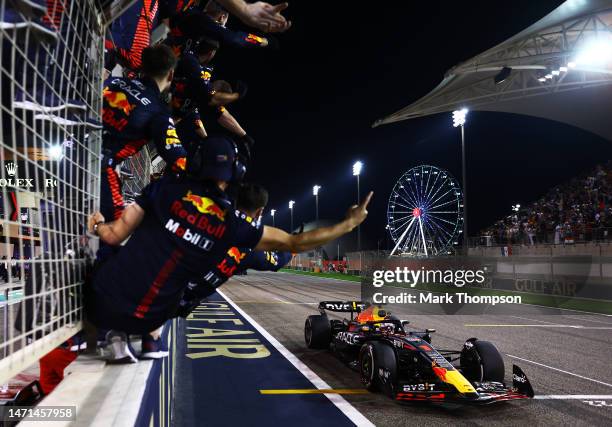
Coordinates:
(367,199)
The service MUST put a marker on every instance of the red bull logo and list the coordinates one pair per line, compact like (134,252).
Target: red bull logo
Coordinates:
(252,38)
(181,163)
(235,254)
(205,205)
(440,372)
(118,100)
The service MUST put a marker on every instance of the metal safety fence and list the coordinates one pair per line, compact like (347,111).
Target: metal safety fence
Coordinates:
(50,140)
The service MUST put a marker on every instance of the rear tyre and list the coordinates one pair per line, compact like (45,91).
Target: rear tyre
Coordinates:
(482,362)
(317,332)
(378,367)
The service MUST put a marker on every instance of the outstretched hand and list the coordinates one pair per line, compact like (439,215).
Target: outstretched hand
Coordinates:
(265,17)
(358,213)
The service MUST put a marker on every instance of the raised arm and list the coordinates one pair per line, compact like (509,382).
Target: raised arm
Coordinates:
(274,239)
(260,15)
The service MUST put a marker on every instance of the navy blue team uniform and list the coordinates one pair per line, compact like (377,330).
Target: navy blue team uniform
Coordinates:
(133,114)
(236,261)
(191,93)
(130,35)
(191,23)
(188,228)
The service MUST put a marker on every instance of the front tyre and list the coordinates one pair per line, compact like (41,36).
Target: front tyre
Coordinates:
(378,367)
(481,361)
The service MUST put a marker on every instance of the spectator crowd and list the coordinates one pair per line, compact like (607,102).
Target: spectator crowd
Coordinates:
(577,211)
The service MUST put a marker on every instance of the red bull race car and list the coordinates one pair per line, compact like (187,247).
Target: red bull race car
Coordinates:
(404,364)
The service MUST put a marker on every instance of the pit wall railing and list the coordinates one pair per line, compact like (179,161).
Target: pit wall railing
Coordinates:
(50,89)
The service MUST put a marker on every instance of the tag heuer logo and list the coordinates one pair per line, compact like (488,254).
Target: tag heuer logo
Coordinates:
(11,169)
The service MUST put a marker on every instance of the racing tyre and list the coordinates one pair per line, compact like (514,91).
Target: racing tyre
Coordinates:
(482,362)
(378,367)
(317,332)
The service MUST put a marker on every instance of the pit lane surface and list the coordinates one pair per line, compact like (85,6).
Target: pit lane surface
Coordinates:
(564,356)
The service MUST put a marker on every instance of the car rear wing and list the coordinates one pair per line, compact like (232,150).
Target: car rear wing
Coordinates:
(342,306)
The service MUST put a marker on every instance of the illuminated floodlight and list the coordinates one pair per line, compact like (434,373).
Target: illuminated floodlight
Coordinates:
(357,168)
(315,190)
(548,76)
(272,212)
(596,52)
(56,151)
(571,64)
(563,69)
(555,72)
(542,79)
(459,117)
(291,203)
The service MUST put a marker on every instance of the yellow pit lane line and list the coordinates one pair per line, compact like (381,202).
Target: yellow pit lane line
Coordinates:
(316,391)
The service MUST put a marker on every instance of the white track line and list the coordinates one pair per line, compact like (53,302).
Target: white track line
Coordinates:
(587,320)
(573,396)
(559,370)
(346,408)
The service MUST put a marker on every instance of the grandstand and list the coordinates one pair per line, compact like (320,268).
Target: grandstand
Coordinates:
(579,210)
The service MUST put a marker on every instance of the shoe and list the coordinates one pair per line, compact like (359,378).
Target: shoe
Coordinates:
(153,349)
(121,350)
(45,102)
(12,20)
(31,8)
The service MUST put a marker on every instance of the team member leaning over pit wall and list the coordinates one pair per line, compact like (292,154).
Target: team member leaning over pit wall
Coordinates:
(251,200)
(181,227)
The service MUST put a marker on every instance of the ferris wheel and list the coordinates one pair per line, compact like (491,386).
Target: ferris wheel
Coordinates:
(425,212)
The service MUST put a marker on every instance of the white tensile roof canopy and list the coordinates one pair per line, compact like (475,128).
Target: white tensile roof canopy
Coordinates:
(560,68)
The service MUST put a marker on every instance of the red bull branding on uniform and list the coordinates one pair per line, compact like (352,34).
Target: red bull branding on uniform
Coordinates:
(201,222)
(232,254)
(235,253)
(186,234)
(118,100)
(205,205)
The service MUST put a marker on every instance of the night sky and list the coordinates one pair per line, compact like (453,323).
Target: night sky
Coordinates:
(311,105)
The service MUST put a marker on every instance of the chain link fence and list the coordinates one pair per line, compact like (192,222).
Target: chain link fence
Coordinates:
(51,79)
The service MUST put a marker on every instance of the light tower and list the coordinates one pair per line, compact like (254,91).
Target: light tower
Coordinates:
(315,192)
(291,203)
(357,166)
(459,119)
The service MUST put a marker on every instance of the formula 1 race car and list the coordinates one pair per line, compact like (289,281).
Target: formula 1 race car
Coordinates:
(404,364)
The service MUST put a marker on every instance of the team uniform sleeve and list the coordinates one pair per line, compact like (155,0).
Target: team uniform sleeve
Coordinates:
(147,194)
(266,261)
(169,147)
(198,24)
(248,232)
(198,80)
